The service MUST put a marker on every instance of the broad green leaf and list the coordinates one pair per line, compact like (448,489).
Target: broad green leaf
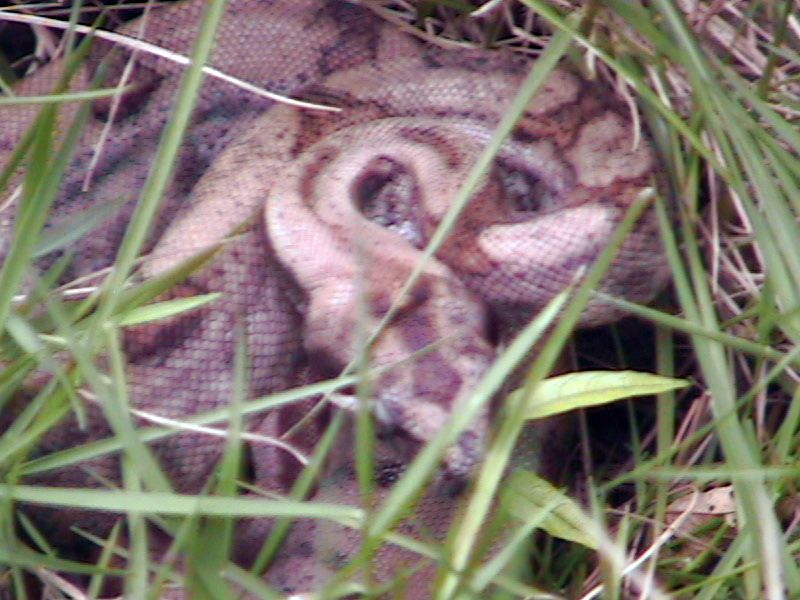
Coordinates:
(591,388)
(530,498)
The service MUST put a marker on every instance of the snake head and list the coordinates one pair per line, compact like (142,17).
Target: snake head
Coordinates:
(424,363)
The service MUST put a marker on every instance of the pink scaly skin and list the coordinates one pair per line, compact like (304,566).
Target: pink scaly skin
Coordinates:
(326,215)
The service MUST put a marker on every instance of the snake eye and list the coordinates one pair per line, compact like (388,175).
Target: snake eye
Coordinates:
(525,191)
(386,193)
(388,473)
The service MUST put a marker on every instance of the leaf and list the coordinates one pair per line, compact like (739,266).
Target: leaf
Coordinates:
(701,507)
(153,287)
(74,228)
(530,498)
(591,388)
(168,308)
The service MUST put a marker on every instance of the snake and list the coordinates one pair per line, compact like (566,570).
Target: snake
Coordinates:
(317,219)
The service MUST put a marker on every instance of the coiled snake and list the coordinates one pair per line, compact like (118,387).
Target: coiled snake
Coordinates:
(325,216)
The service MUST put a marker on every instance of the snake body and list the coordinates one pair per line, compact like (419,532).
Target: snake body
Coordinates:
(324,216)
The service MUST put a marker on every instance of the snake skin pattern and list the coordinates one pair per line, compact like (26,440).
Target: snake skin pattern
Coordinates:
(325,216)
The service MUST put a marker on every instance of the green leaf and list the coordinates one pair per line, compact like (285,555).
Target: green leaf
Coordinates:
(182,505)
(167,308)
(532,499)
(155,286)
(591,388)
(76,227)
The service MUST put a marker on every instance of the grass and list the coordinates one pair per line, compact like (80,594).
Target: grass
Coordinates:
(693,494)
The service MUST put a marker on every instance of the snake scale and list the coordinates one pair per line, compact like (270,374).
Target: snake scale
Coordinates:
(325,215)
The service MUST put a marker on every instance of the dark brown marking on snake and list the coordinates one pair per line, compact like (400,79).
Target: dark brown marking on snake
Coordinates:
(430,373)
(322,156)
(417,332)
(379,305)
(350,20)
(421,293)
(316,125)
(142,83)
(430,136)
